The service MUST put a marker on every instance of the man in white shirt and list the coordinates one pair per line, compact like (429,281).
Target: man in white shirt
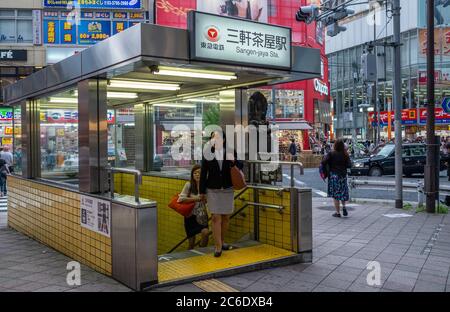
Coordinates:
(7,156)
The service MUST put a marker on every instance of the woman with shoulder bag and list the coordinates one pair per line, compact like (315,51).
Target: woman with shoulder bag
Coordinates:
(338,161)
(197,222)
(216,187)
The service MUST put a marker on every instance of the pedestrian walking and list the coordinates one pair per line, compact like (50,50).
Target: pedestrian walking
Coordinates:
(4,172)
(197,222)
(216,188)
(338,161)
(7,156)
(293,150)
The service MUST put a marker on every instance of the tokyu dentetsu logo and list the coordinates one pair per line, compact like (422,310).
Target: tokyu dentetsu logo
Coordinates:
(212,33)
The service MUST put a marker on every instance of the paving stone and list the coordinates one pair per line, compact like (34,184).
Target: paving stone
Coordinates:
(357,287)
(336,283)
(298,286)
(322,288)
(422,286)
(52,289)
(237,282)
(30,286)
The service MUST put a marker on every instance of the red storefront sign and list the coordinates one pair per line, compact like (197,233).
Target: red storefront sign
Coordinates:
(409,117)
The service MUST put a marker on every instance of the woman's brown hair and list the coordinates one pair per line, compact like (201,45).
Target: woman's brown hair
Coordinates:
(193,189)
(339,147)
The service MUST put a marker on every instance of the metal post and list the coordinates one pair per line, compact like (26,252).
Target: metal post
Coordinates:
(354,75)
(292,176)
(430,168)
(398,106)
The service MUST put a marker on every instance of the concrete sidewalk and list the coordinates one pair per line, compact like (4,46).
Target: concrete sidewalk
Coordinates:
(414,254)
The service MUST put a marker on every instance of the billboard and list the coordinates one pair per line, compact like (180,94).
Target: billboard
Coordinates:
(97,4)
(255,10)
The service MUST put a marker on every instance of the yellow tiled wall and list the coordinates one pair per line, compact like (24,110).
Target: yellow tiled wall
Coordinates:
(52,216)
(274,227)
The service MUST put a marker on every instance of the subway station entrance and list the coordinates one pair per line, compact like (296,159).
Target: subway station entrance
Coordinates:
(96,134)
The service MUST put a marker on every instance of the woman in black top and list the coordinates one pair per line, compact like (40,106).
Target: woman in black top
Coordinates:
(216,187)
(338,161)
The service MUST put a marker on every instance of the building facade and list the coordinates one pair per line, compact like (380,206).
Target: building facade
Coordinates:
(370,24)
(51,30)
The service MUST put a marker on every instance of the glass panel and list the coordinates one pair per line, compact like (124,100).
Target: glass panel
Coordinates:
(24,13)
(9,13)
(204,111)
(17,141)
(6,139)
(7,31)
(59,137)
(24,31)
(121,137)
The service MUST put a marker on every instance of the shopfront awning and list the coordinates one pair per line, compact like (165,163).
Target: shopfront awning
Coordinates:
(299,125)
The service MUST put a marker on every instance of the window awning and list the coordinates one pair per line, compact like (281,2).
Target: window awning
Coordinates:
(298,125)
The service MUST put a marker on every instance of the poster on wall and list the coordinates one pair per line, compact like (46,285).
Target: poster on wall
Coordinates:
(96,215)
(255,10)
(441,13)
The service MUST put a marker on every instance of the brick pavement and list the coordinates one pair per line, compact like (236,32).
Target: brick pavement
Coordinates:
(342,250)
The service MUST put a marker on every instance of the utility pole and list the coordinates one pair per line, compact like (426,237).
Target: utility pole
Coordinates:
(375,86)
(398,106)
(430,168)
(355,108)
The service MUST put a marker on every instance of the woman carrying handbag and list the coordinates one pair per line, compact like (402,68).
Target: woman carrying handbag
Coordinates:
(197,221)
(216,187)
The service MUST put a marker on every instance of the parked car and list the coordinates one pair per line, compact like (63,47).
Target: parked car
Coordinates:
(70,167)
(383,163)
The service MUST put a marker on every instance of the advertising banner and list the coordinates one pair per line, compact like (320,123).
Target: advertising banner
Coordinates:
(255,10)
(37,28)
(235,41)
(68,32)
(51,32)
(91,32)
(94,4)
(6,114)
(96,215)
(409,117)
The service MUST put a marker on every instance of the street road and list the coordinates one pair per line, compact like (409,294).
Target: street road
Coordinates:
(312,179)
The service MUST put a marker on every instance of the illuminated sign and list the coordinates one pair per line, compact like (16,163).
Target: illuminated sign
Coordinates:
(97,4)
(91,32)
(237,41)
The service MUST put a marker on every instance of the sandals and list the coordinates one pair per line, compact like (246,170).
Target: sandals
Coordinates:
(345,212)
(227,247)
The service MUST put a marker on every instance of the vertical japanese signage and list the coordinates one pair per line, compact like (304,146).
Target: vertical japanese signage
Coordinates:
(236,41)
(37,28)
(96,215)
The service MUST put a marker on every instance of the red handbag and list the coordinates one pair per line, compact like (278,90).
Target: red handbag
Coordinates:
(237,179)
(184,209)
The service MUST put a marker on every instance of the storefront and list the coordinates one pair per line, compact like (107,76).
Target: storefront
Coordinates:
(97,106)
(413,122)
(300,109)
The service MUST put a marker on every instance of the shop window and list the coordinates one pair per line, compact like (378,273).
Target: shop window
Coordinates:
(59,137)
(17,139)
(16,26)
(203,111)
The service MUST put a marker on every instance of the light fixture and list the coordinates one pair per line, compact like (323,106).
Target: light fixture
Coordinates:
(135,84)
(200,100)
(63,100)
(175,105)
(204,74)
(121,95)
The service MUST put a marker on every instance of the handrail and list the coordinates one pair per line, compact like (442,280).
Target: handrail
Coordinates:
(278,163)
(280,208)
(137,181)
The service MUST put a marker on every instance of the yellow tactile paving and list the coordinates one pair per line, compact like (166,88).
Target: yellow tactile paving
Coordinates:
(213,285)
(194,266)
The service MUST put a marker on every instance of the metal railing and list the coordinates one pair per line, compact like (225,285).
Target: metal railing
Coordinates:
(137,181)
(418,186)
(247,204)
(255,167)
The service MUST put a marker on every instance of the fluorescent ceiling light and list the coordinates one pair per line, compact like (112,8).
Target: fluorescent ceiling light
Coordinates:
(175,105)
(203,100)
(134,84)
(63,100)
(121,95)
(205,74)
